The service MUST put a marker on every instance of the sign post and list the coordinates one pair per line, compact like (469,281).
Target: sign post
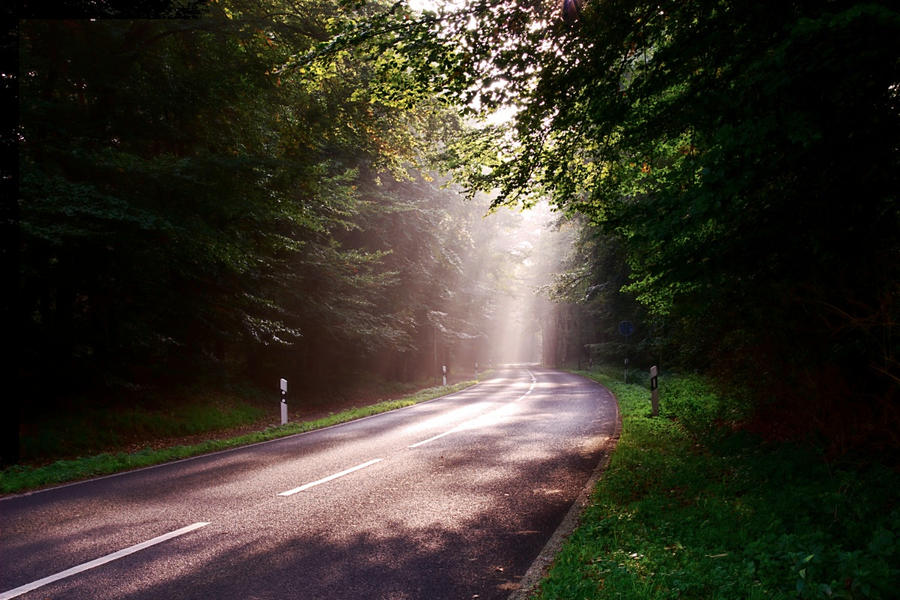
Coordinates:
(626,370)
(654,391)
(284,415)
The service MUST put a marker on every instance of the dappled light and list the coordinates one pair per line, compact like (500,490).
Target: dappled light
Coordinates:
(405,527)
(235,221)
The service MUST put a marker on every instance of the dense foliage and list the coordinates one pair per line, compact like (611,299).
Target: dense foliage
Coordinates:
(194,204)
(161,172)
(742,157)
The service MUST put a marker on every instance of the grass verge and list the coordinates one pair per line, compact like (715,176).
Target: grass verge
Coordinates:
(690,508)
(22,478)
(83,429)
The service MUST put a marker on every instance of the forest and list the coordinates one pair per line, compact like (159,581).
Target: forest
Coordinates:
(236,191)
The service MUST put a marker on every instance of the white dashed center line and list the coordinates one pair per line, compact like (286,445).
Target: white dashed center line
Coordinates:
(471,421)
(306,486)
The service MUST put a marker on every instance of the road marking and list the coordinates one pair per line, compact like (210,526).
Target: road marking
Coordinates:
(22,589)
(466,423)
(438,436)
(306,486)
(530,389)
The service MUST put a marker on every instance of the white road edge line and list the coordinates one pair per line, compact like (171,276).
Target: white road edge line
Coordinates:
(306,486)
(22,589)
(461,425)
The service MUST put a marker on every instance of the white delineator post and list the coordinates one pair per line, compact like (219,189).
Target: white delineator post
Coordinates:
(654,391)
(284,418)
(444,369)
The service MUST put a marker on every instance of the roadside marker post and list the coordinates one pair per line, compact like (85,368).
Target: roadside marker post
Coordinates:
(654,391)
(284,416)
(444,369)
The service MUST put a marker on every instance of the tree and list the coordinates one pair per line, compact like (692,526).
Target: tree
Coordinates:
(745,157)
(592,277)
(196,204)
(184,202)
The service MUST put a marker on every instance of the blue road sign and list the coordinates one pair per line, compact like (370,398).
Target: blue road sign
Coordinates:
(626,328)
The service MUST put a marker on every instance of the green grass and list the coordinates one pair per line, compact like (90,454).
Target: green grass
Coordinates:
(21,478)
(692,508)
(94,429)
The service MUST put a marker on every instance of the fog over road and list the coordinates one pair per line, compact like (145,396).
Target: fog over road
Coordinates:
(453,498)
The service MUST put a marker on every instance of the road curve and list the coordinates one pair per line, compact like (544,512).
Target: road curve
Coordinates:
(449,499)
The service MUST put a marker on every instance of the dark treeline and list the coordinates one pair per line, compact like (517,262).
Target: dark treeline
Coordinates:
(188,213)
(737,167)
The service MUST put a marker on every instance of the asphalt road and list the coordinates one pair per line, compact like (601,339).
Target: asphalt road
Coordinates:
(449,499)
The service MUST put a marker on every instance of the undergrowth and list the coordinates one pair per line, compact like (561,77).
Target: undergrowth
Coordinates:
(95,429)
(692,507)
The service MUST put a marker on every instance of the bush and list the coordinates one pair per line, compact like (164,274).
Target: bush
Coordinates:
(695,404)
